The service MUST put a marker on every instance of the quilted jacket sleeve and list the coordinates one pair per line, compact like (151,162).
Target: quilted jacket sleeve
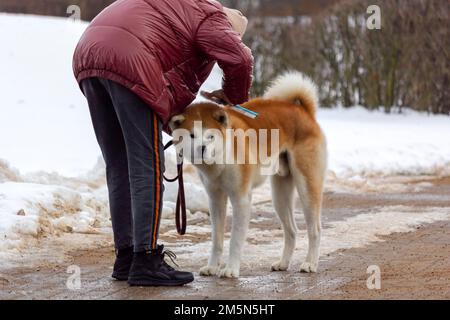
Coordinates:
(216,39)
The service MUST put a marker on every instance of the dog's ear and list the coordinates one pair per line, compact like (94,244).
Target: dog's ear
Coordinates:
(221,117)
(176,122)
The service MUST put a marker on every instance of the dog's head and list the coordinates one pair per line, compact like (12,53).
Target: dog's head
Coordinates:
(200,132)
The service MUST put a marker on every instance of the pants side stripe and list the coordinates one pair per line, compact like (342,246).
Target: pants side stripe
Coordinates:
(157,180)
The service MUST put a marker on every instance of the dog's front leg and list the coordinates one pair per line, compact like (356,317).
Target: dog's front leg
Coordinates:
(241,217)
(217,211)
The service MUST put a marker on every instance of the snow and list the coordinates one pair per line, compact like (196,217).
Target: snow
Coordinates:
(43,114)
(51,173)
(29,209)
(364,143)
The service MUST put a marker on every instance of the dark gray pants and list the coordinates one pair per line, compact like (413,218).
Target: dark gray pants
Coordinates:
(130,136)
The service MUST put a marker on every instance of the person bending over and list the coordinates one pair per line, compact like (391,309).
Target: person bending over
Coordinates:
(139,63)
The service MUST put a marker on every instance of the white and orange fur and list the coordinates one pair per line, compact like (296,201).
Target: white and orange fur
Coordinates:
(289,105)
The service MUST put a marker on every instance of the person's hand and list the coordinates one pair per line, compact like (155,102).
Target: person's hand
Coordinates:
(217,96)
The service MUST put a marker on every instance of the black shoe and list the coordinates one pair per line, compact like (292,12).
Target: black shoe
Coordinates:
(150,269)
(124,258)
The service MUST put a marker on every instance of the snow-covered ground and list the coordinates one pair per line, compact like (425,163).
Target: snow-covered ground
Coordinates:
(368,143)
(51,178)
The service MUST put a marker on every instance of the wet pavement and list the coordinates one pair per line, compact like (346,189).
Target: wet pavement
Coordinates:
(413,264)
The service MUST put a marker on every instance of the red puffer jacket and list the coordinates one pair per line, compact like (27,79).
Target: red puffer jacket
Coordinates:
(163,50)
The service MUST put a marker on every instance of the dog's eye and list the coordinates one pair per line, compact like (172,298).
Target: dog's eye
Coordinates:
(211,137)
(192,136)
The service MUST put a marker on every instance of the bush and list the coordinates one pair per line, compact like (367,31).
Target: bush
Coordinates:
(405,64)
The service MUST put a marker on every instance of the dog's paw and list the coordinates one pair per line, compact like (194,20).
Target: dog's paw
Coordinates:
(279,266)
(229,273)
(308,267)
(208,271)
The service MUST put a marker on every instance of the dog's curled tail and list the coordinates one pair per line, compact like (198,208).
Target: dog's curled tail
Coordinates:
(295,87)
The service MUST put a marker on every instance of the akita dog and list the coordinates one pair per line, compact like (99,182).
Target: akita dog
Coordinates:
(287,110)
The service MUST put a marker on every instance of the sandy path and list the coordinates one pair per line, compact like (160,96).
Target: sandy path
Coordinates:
(414,264)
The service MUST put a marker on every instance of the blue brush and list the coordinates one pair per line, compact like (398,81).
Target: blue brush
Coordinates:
(244,111)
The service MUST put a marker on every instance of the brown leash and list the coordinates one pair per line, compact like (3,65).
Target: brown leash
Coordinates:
(180,209)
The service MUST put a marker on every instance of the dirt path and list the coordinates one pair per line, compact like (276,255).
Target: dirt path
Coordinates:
(413,264)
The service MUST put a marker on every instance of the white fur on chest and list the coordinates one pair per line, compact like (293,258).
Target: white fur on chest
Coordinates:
(228,178)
